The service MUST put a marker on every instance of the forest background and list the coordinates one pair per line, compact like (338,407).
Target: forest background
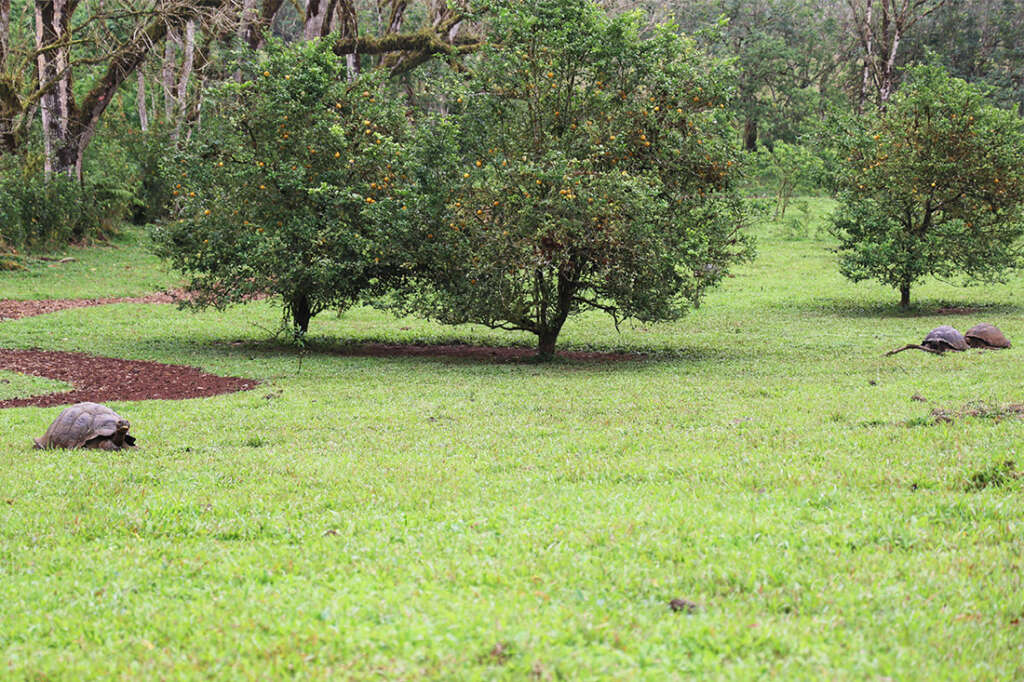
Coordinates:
(103,92)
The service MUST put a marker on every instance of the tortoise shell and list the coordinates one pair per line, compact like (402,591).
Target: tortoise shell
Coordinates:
(944,338)
(87,425)
(986,335)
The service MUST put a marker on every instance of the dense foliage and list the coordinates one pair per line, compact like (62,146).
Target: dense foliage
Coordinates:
(36,215)
(933,186)
(595,174)
(289,189)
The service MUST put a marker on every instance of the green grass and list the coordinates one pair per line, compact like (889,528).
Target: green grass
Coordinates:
(18,385)
(412,518)
(121,268)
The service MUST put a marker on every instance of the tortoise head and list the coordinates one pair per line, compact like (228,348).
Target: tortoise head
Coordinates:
(121,436)
(122,430)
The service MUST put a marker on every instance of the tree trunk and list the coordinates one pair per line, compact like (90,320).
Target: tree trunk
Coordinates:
(56,105)
(549,328)
(248,20)
(254,29)
(187,61)
(301,312)
(140,101)
(248,16)
(904,296)
(546,344)
(318,18)
(5,32)
(880,36)
(167,76)
(9,104)
(346,24)
(750,134)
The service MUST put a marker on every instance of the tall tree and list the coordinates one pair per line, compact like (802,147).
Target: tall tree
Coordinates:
(786,54)
(881,26)
(72,38)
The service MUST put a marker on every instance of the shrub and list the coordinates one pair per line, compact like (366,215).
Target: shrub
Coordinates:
(36,214)
(788,168)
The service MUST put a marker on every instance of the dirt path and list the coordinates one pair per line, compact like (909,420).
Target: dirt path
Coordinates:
(13,310)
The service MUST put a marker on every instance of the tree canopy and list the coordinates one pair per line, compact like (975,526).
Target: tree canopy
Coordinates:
(290,187)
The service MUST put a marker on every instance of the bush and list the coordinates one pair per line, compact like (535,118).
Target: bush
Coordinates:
(932,186)
(593,171)
(291,187)
(154,191)
(37,215)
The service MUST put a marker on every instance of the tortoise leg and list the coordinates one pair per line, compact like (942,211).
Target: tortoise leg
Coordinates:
(100,443)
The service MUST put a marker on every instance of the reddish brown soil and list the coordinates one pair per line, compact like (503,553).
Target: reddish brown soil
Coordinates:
(99,379)
(12,310)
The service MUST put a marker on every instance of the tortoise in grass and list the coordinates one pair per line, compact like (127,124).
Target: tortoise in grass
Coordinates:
(87,425)
(986,335)
(938,340)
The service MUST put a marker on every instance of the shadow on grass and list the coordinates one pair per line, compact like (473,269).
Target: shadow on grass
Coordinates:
(456,350)
(927,308)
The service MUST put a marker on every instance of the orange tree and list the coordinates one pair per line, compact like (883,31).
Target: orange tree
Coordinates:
(586,168)
(932,186)
(290,188)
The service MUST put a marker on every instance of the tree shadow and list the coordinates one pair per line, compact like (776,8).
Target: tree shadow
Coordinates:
(927,308)
(454,350)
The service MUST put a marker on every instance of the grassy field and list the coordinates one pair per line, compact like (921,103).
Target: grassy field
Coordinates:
(411,517)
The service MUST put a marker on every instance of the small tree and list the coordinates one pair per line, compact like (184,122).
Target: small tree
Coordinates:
(932,186)
(595,173)
(289,189)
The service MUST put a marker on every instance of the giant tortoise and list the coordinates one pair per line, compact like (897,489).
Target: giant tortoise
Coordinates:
(985,335)
(87,425)
(938,340)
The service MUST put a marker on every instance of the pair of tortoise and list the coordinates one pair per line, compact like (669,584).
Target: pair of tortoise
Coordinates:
(944,338)
(87,425)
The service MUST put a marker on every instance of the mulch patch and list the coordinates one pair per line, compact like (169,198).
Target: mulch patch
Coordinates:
(13,310)
(99,379)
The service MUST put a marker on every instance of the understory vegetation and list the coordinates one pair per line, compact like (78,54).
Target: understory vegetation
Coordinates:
(832,512)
